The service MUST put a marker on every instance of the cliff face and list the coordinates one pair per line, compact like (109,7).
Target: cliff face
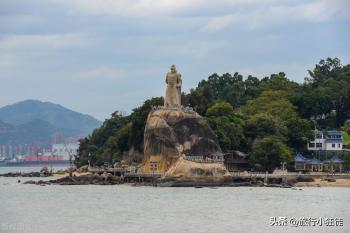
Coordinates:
(170,133)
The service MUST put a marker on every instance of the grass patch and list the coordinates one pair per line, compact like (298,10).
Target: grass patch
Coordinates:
(346,138)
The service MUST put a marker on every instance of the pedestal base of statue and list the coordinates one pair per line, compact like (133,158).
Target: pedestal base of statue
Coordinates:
(178,142)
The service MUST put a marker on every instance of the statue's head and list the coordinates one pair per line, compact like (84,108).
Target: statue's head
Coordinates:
(173,69)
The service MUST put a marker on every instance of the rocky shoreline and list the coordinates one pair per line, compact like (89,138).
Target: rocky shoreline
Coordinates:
(44,172)
(107,179)
(80,180)
(87,178)
(26,174)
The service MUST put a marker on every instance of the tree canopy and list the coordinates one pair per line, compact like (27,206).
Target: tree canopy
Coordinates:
(227,125)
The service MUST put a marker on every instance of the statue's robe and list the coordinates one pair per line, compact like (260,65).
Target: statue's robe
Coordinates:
(173,90)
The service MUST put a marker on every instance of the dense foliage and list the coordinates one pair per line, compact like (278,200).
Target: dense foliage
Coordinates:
(269,118)
(116,136)
(227,125)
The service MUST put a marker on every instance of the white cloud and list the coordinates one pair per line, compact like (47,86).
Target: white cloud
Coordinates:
(129,8)
(54,41)
(6,64)
(102,72)
(265,15)
(315,11)
(103,50)
(218,23)
(136,8)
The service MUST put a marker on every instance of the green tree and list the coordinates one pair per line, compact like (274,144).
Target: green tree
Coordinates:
(201,98)
(82,156)
(278,82)
(115,146)
(138,120)
(323,71)
(264,124)
(346,126)
(274,103)
(333,79)
(252,88)
(272,114)
(227,87)
(220,109)
(269,152)
(299,132)
(94,147)
(312,103)
(227,126)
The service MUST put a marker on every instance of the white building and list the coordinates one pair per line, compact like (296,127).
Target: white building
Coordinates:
(65,149)
(326,141)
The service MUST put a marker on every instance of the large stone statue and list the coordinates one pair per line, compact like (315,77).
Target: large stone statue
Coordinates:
(180,144)
(173,90)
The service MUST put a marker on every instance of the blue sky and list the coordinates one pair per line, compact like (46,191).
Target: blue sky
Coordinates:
(97,56)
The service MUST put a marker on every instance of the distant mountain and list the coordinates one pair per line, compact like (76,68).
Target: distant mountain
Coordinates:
(36,131)
(33,121)
(4,127)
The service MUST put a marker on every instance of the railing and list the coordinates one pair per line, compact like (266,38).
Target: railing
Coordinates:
(200,159)
(129,169)
(143,175)
(183,108)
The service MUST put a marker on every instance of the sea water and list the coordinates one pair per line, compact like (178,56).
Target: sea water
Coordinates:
(124,208)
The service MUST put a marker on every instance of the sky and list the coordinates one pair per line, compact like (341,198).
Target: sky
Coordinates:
(99,56)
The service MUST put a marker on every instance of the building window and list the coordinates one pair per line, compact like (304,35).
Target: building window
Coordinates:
(333,145)
(311,145)
(154,166)
(318,145)
(338,145)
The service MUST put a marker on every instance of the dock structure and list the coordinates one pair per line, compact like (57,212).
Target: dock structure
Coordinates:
(128,174)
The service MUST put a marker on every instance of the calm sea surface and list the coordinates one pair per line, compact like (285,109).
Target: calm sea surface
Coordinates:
(95,209)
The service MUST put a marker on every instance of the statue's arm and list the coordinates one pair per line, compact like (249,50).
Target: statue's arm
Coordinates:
(179,80)
(166,78)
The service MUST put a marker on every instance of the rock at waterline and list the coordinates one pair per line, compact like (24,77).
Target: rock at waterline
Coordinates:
(196,172)
(80,180)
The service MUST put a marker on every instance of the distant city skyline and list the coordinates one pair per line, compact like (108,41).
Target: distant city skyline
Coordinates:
(96,57)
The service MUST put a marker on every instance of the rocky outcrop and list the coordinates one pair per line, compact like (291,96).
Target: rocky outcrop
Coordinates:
(106,179)
(28,174)
(185,171)
(173,132)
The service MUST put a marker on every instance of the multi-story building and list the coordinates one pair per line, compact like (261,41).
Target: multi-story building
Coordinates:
(331,140)
(65,149)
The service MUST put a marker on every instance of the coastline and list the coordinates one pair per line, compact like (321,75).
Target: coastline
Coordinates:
(87,178)
(251,180)
(324,183)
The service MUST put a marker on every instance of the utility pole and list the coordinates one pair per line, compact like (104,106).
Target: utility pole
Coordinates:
(283,165)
